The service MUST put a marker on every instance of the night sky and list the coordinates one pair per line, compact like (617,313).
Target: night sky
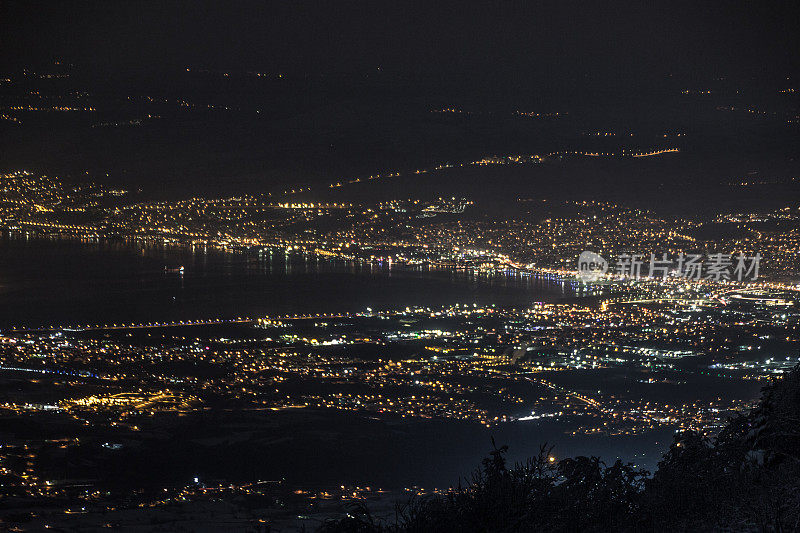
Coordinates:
(511,42)
(348,88)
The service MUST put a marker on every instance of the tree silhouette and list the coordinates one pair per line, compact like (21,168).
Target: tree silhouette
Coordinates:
(747,478)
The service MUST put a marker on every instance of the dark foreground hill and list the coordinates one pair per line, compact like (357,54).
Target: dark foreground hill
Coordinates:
(745,479)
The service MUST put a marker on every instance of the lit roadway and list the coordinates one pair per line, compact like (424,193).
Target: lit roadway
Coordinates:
(99,327)
(179,323)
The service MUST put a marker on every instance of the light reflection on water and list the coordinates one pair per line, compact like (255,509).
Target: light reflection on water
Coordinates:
(58,281)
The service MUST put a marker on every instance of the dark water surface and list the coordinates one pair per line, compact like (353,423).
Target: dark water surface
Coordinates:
(67,282)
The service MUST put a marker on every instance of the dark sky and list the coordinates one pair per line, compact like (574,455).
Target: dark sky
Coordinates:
(361,80)
(613,40)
